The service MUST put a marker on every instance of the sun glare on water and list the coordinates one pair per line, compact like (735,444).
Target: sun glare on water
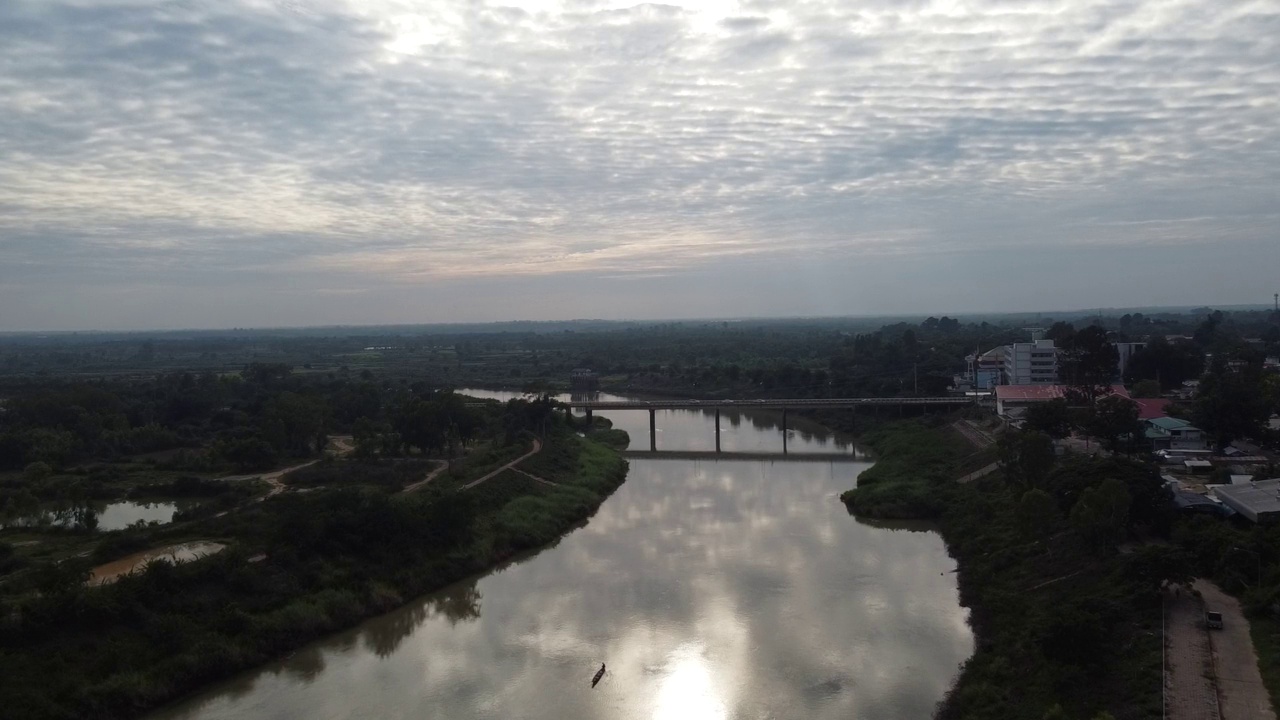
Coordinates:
(688,691)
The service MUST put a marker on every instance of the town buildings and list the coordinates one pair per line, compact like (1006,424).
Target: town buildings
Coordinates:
(1169,433)
(1033,363)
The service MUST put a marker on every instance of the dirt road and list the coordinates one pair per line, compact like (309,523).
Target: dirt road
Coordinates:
(443,464)
(537,447)
(340,444)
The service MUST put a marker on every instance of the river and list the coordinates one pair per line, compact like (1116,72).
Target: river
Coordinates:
(711,588)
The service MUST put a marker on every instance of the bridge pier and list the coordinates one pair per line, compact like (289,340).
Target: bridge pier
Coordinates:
(784,431)
(717,429)
(653,430)
(589,423)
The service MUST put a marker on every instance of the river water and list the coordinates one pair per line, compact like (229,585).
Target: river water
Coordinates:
(712,589)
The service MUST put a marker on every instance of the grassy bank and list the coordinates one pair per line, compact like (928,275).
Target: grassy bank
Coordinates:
(300,566)
(1064,623)
(914,467)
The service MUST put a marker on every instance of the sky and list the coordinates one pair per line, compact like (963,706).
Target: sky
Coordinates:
(244,163)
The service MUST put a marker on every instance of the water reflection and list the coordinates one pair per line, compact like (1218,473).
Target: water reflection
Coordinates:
(712,588)
(740,431)
(103,517)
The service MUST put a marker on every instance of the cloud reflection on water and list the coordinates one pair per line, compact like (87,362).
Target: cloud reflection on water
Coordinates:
(735,588)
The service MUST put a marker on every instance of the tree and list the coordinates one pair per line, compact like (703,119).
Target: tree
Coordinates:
(1053,418)
(1026,456)
(295,423)
(367,436)
(1230,405)
(1168,364)
(1147,389)
(1150,567)
(1114,421)
(36,471)
(1061,333)
(1088,364)
(1101,514)
(1038,514)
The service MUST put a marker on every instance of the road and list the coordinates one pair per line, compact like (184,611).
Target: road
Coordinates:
(1240,688)
(1188,666)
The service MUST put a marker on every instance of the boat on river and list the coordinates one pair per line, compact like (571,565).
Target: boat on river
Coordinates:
(599,674)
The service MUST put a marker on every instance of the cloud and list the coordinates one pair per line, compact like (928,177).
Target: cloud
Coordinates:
(402,141)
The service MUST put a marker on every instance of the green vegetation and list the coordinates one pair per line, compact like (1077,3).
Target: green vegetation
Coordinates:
(1054,604)
(914,460)
(299,566)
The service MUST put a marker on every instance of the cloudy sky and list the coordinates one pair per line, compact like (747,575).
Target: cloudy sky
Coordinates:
(202,163)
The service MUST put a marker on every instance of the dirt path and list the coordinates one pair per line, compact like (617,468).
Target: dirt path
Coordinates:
(1240,689)
(980,473)
(537,447)
(444,464)
(531,476)
(1188,664)
(978,437)
(341,443)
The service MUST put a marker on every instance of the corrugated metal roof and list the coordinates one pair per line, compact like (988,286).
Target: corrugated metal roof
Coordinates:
(1043,392)
(1252,499)
(1149,408)
(1169,423)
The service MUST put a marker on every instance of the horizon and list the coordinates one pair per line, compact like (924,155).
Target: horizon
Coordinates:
(1078,313)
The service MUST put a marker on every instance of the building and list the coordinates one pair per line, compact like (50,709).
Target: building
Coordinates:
(583,380)
(986,370)
(1259,501)
(1013,400)
(1151,408)
(1124,352)
(1168,433)
(1031,363)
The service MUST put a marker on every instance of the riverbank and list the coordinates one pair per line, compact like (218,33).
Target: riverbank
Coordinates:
(1064,623)
(298,567)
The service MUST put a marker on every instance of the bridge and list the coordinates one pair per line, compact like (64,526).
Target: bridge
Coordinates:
(732,455)
(783,404)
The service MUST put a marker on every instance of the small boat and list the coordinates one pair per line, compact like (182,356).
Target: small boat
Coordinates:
(599,674)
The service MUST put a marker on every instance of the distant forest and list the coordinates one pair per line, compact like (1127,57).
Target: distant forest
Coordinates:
(803,357)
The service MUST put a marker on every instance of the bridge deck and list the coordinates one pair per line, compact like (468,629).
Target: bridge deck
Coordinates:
(770,404)
(738,455)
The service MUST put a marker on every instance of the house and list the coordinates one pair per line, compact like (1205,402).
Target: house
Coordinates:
(1168,433)
(1259,501)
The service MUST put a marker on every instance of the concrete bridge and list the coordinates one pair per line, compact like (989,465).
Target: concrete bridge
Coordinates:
(783,404)
(767,456)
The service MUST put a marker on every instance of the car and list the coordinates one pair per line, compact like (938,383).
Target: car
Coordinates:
(1213,620)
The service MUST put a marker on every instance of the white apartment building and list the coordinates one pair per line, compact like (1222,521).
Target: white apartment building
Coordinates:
(1031,363)
(1124,352)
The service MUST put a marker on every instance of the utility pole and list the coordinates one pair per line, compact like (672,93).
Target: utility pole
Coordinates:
(915,376)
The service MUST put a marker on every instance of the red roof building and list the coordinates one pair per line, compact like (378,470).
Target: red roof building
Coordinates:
(1152,408)
(1012,397)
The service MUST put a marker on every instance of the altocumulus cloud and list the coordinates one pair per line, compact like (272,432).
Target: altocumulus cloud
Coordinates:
(390,149)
